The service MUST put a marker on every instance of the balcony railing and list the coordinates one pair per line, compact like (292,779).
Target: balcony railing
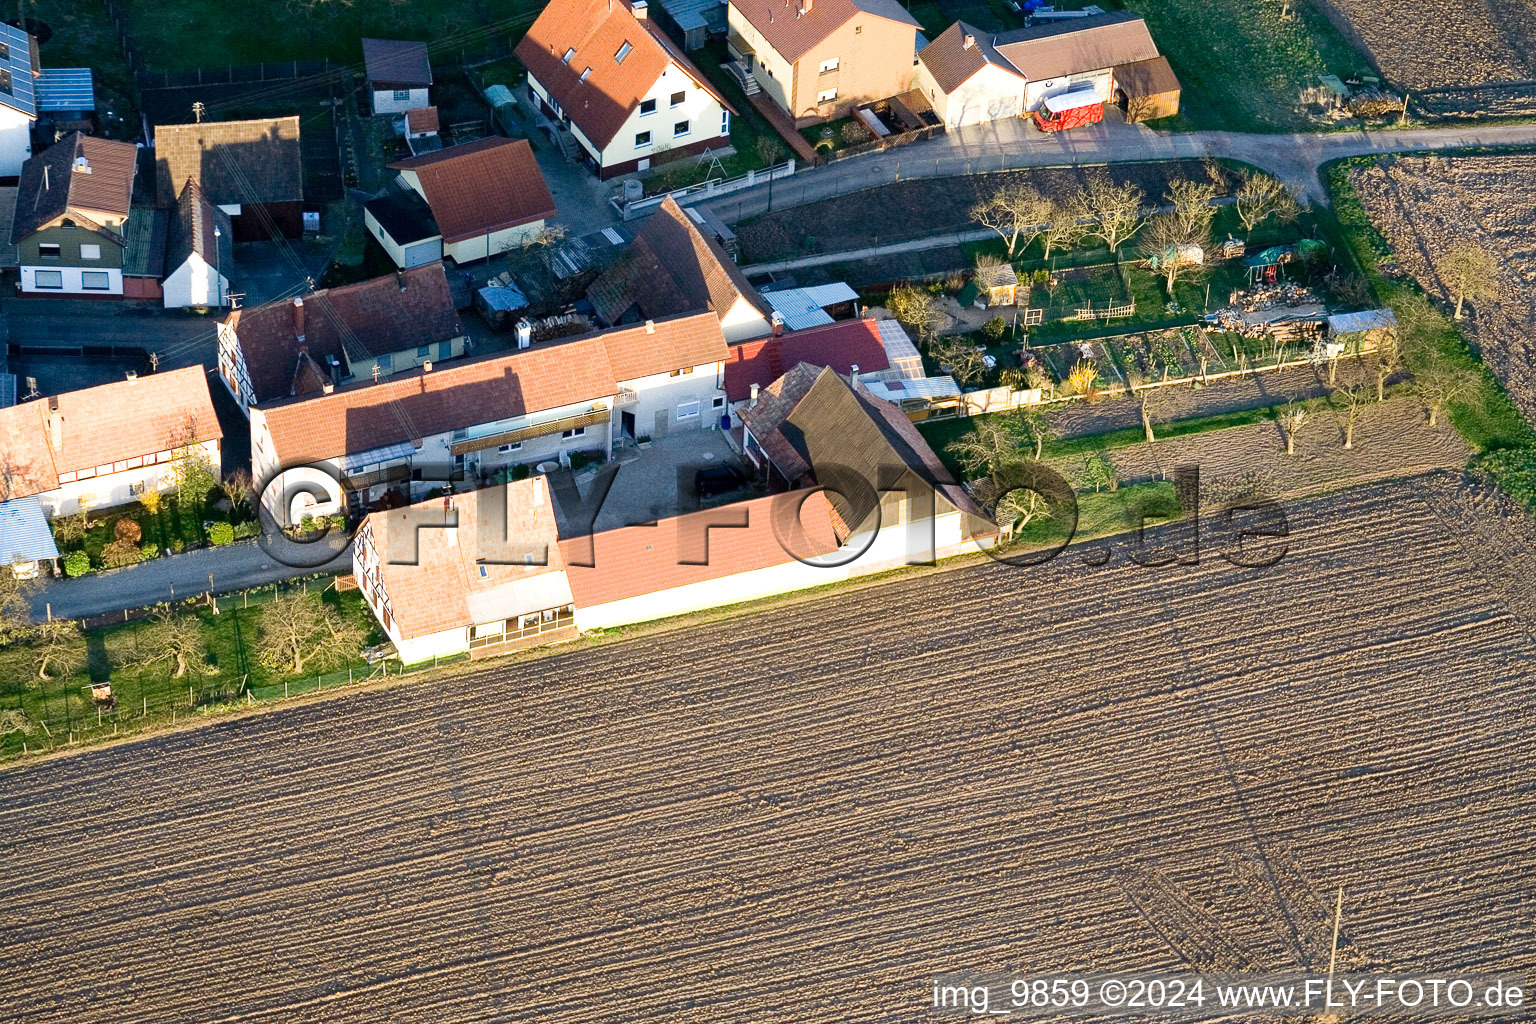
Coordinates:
(526,636)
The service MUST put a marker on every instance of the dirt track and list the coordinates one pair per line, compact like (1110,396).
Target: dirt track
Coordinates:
(803,815)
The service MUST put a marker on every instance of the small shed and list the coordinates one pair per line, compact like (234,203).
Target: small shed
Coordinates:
(1147,89)
(25,538)
(1363,331)
(498,302)
(996,286)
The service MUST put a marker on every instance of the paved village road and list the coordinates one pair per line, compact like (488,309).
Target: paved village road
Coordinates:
(1015,143)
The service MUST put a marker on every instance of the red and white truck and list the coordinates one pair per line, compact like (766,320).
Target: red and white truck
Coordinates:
(1069,110)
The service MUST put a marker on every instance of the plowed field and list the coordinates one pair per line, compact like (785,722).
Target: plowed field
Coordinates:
(804,815)
(1425,206)
(1447,43)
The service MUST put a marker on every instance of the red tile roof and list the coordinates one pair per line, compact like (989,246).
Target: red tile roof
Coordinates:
(793,32)
(638,560)
(103,425)
(393,313)
(664,345)
(481,187)
(434,577)
(840,346)
(597,30)
(421,120)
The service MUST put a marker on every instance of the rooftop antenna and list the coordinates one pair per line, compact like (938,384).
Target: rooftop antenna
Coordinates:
(198,110)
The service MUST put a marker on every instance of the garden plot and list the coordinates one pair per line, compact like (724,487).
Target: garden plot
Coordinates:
(837,799)
(1425,207)
(1448,43)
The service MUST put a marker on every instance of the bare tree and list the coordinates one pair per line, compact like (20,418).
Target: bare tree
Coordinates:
(1191,201)
(238,489)
(1165,242)
(1032,419)
(1062,230)
(58,649)
(915,308)
(1441,384)
(994,442)
(960,359)
(176,639)
(1389,358)
(1114,210)
(1016,212)
(1146,398)
(14,623)
(1470,272)
(299,632)
(1349,401)
(1292,418)
(1020,507)
(1259,196)
(14,720)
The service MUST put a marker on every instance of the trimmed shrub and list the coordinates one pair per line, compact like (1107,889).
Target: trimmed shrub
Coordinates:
(118,553)
(339,522)
(77,563)
(149,550)
(220,534)
(249,528)
(993,329)
(151,501)
(127,530)
(306,522)
(178,545)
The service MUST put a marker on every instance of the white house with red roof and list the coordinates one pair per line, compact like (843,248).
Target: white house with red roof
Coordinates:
(106,445)
(627,93)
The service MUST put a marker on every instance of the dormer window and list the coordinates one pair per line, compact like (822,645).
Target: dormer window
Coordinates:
(586,74)
(568,55)
(618,58)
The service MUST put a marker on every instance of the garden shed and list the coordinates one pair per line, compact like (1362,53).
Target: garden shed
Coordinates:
(1363,331)
(1147,89)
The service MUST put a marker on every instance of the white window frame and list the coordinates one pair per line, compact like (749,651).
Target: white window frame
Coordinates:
(507,449)
(87,275)
(826,96)
(37,280)
(718,402)
(90,252)
(828,66)
(573,433)
(677,99)
(725,121)
(688,410)
(49,250)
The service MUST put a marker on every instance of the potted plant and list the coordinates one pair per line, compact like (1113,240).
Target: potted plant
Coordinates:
(644,440)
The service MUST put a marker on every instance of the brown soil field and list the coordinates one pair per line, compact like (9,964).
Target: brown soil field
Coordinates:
(1446,43)
(1424,206)
(804,815)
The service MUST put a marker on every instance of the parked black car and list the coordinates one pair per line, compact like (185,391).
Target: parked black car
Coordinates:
(716,480)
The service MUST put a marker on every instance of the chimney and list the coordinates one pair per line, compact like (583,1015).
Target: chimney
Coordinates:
(524,333)
(752,400)
(650,327)
(853,376)
(805,7)
(970,42)
(639,9)
(329,387)
(55,425)
(82,165)
(334,365)
(133,376)
(298,319)
(777,320)
(426,367)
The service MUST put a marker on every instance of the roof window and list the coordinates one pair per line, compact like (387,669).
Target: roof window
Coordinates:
(568,55)
(586,74)
(618,58)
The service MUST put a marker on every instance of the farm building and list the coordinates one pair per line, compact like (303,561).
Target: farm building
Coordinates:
(334,336)
(672,267)
(252,170)
(1368,330)
(971,77)
(472,202)
(479,572)
(626,93)
(399,74)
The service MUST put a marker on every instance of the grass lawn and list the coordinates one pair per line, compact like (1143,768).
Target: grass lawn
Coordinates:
(1105,514)
(146,695)
(83,36)
(177,35)
(1241,65)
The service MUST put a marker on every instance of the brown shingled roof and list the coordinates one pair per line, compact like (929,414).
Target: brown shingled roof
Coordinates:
(481,187)
(952,63)
(1077,46)
(793,34)
(671,267)
(396,62)
(200,227)
(103,425)
(421,120)
(597,30)
(256,161)
(394,313)
(52,184)
(639,560)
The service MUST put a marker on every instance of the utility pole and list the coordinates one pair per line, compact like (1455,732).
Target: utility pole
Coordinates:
(198,110)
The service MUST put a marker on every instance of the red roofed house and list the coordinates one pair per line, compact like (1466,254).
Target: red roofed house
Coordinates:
(71,219)
(482,198)
(106,445)
(339,335)
(478,572)
(847,347)
(410,432)
(627,93)
(819,59)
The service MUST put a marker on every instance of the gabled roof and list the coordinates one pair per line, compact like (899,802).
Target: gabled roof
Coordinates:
(396,62)
(256,161)
(481,187)
(414,405)
(635,561)
(17,64)
(671,267)
(202,228)
(481,556)
(840,347)
(793,32)
(103,425)
(394,313)
(598,31)
(837,433)
(952,63)
(421,119)
(1076,46)
(55,183)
